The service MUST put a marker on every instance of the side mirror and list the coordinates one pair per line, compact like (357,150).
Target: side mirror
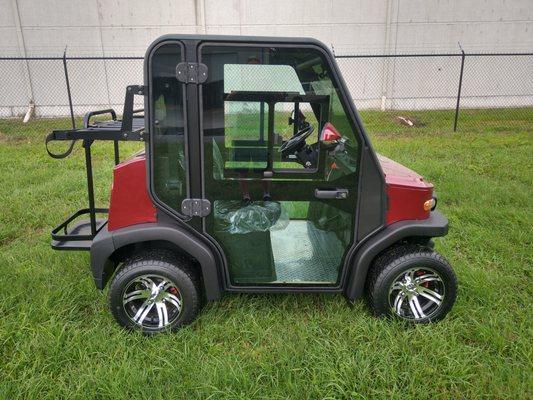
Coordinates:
(330,137)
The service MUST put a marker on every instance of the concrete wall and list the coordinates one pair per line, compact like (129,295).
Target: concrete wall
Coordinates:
(126,27)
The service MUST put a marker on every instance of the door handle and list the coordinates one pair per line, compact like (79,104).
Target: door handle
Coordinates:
(331,193)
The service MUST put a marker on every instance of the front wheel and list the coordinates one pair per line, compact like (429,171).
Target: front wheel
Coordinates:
(154,292)
(413,283)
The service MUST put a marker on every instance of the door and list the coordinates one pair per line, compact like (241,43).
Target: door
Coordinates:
(280,164)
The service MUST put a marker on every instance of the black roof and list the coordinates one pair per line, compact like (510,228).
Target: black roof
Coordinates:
(241,39)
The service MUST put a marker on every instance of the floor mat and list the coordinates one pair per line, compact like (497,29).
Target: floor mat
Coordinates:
(303,253)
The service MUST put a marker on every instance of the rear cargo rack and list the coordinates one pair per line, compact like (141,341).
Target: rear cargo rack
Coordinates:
(71,235)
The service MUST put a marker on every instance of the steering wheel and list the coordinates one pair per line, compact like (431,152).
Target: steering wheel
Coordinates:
(294,143)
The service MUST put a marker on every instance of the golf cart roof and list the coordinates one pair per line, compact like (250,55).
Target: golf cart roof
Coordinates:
(241,39)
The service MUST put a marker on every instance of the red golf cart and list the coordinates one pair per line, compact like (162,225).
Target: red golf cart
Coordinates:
(257,176)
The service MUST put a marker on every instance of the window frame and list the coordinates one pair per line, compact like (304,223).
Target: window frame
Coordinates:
(150,106)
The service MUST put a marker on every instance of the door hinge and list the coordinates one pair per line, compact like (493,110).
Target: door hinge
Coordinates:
(191,72)
(196,207)
(137,89)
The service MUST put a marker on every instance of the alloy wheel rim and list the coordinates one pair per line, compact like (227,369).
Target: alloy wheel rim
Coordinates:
(152,301)
(417,294)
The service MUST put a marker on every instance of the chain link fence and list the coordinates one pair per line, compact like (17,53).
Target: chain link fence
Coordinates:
(442,92)
(394,93)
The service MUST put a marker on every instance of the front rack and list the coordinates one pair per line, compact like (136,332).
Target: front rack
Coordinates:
(79,236)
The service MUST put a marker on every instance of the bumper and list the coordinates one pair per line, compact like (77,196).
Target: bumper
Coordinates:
(434,226)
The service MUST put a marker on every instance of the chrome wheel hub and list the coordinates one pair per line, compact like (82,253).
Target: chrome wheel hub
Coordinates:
(152,301)
(417,293)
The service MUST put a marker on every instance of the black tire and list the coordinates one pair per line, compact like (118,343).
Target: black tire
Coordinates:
(141,273)
(411,282)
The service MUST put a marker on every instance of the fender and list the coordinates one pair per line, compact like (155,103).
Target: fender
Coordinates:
(106,243)
(434,226)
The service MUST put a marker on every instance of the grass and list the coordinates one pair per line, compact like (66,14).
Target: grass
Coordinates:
(57,339)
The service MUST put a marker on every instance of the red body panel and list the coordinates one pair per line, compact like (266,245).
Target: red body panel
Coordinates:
(130,202)
(406,191)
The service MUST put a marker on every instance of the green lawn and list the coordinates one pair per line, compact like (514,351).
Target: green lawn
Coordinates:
(57,339)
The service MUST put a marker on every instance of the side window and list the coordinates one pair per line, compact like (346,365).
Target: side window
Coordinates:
(167,131)
(264,113)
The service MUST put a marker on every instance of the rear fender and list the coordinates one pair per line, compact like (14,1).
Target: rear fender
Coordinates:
(107,243)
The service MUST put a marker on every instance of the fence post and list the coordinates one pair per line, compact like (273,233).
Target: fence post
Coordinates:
(68,89)
(459,90)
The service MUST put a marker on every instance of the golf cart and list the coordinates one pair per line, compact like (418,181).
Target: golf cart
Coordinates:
(257,177)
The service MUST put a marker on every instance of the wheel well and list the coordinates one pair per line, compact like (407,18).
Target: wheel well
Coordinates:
(127,251)
(394,249)
(424,241)
(123,253)
(414,231)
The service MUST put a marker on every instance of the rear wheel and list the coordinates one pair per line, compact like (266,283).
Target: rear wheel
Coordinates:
(413,283)
(154,292)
